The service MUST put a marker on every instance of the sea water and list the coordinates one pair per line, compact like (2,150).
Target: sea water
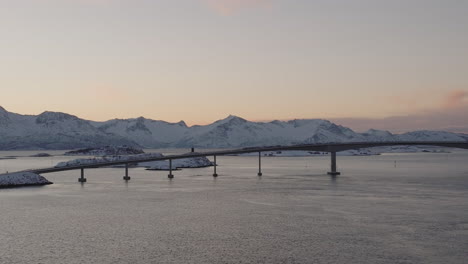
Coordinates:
(393,208)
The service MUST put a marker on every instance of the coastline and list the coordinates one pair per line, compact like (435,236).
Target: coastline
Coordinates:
(12,186)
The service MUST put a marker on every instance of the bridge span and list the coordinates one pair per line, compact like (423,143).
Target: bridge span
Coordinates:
(332,148)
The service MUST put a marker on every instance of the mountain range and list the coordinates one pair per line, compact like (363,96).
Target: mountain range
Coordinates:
(55,130)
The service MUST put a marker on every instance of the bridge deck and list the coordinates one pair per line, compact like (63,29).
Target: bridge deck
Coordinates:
(326,147)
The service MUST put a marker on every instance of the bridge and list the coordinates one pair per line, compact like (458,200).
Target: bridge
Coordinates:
(332,148)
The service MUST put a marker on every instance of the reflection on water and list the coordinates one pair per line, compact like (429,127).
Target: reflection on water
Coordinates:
(295,213)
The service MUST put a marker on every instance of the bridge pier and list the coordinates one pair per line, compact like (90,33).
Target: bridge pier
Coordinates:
(215,174)
(82,179)
(170,176)
(126,177)
(259,164)
(333,171)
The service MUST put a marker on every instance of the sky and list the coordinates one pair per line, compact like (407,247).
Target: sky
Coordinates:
(398,65)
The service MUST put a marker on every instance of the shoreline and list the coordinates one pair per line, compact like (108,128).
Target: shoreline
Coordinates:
(12,186)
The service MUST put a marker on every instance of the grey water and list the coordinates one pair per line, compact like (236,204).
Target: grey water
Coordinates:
(393,208)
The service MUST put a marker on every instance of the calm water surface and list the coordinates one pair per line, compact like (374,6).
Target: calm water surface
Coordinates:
(416,212)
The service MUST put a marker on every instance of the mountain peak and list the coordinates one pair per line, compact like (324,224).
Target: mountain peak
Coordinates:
(4,119)
(49,116)
(182,123)
(234,117)
(303,122)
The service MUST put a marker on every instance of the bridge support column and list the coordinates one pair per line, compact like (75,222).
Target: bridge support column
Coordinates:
(170,176)
(333,171)
(259,164)
(82,179)
(126,177)
(215,164)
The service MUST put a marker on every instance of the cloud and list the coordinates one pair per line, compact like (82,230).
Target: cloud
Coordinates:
(450,115)
(229,7)
(455,99)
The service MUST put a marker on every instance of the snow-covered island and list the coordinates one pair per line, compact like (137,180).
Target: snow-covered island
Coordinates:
(41,155)
(197,162)
(106,151)
(90,161)
(7,158)
(410,149)
(18,179)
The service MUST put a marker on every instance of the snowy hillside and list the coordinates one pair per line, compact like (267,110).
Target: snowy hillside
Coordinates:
(232,131)
(237,132)
(51,130)
(146,132)
(425,135)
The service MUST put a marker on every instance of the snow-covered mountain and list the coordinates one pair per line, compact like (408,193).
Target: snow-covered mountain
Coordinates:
(146,132)
(232,131)
(51,130)
(237,132)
